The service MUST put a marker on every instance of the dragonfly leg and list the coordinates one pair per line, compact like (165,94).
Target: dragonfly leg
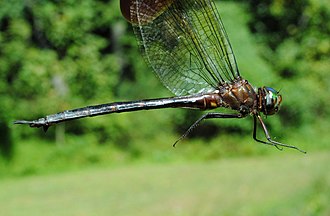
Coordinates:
(255,126)
(278,145)
(206,116)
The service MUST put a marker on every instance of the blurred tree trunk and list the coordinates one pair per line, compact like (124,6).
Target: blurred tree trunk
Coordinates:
(6,143)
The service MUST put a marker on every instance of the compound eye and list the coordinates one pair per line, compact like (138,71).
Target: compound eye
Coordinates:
(272,100)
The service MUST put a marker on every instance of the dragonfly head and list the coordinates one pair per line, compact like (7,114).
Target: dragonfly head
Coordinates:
(269,100)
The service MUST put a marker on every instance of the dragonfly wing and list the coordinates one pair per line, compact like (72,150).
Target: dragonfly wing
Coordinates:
(185,43)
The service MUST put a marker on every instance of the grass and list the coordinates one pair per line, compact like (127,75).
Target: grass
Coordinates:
(46,179)
(281,184)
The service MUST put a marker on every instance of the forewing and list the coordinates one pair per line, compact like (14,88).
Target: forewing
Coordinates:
(185,43)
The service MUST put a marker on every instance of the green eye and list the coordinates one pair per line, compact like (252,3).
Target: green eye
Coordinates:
(272,100)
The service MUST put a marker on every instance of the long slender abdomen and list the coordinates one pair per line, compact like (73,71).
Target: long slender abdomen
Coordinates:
(207,101)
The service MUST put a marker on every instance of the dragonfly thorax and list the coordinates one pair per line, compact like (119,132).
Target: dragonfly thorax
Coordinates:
(240,96)
(269,100)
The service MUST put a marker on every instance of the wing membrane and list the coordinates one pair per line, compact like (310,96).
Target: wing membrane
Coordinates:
(185,43)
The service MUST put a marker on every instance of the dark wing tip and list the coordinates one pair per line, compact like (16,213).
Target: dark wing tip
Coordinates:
(143,11)
(125,7)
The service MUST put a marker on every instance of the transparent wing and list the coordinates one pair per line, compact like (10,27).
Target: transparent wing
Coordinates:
(185,43)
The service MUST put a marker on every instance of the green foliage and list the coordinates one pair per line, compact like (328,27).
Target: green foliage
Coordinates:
(302,48)
(58,55)
(298,33)
(55,56)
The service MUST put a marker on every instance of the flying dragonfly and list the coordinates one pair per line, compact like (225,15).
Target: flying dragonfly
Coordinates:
(186,45)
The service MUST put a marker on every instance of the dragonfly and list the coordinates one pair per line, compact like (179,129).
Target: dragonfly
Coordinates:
(186,45)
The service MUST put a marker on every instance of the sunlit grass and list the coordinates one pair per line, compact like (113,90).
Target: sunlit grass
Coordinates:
(285,184)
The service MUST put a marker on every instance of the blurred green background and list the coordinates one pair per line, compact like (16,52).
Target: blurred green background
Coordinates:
(58,55)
